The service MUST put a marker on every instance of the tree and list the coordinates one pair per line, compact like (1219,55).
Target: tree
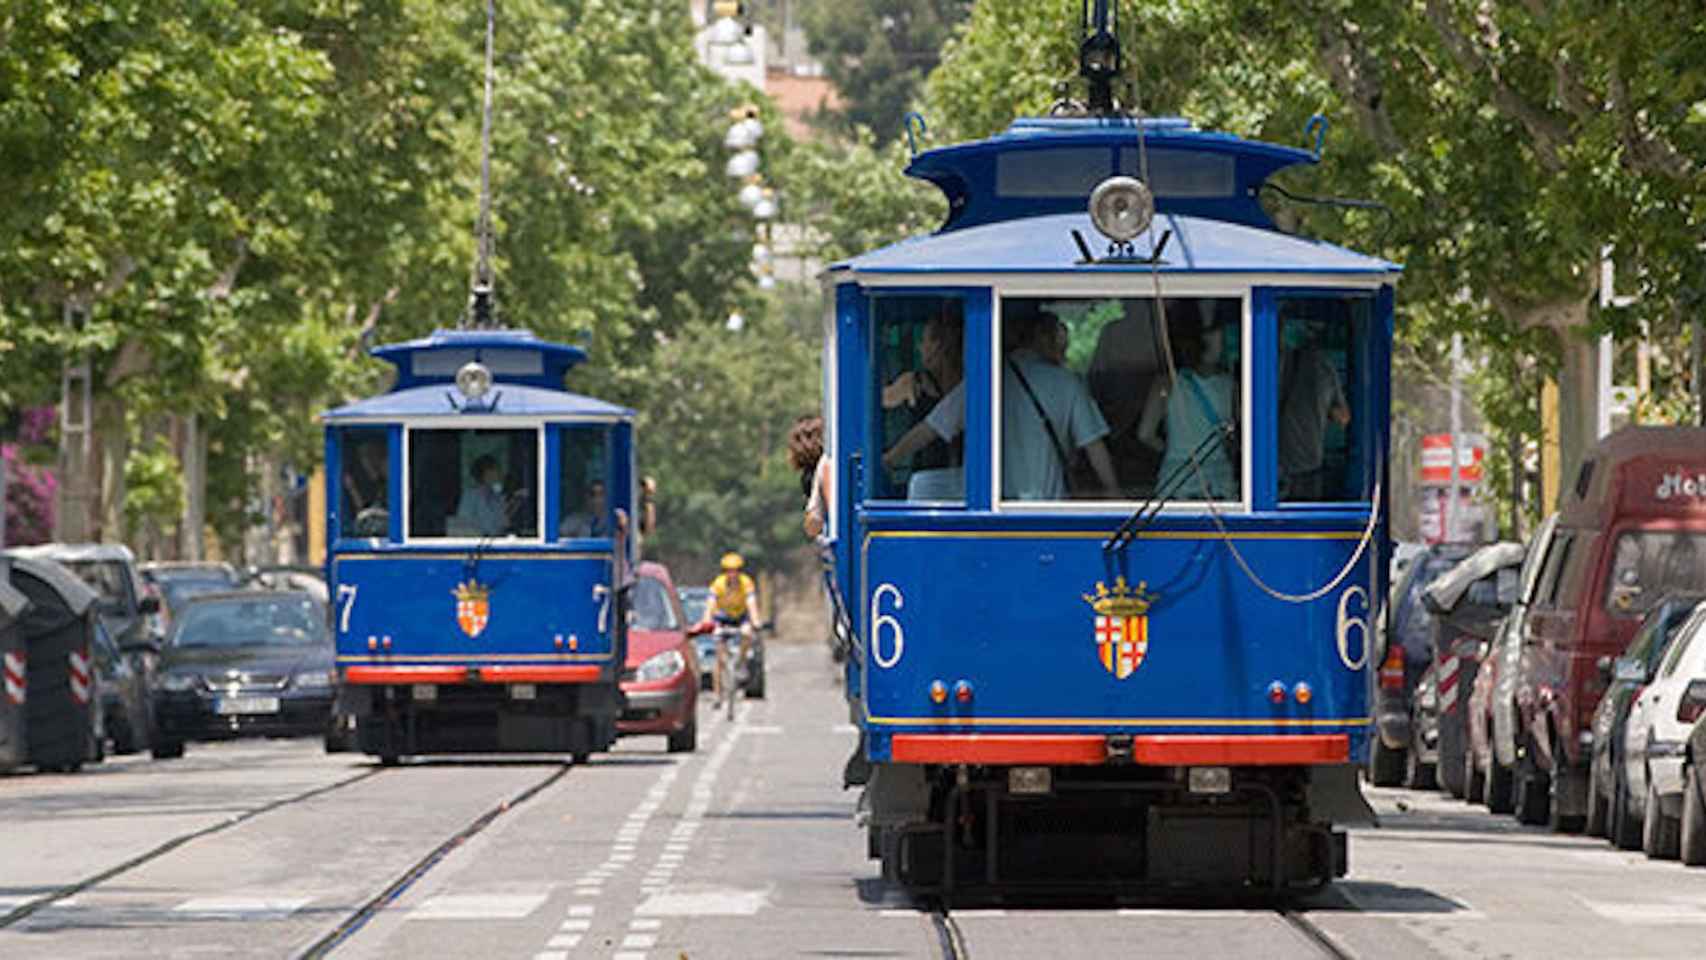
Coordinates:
(878,52)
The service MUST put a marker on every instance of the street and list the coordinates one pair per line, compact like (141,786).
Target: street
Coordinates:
(744,849)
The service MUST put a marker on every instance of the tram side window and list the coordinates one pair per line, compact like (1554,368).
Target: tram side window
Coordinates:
(365,482)
(919,406)
(584,483)
(1087,409)
(1323,399)
(473,483)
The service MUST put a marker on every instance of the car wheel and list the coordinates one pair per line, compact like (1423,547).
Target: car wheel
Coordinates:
(1385,765)
(755,683)
(1659,839)
(685,740)
(1499,786)
(1474,782)
(1418,775)
(124,738)
(1692,845)
(1453,738)
(1599,805)
(164,749)
(1625,829)
(1531,791)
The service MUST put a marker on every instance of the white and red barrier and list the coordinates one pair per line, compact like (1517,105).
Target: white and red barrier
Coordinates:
(12,665)
(80,677)
(1445,683)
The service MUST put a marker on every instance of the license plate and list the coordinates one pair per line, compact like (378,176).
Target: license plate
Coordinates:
(230,706)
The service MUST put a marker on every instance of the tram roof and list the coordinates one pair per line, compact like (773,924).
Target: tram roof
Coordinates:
(1045,244)
(513,356)
(1043,165)
(504,400)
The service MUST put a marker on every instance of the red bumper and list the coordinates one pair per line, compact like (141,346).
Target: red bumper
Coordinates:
(576,673)
(1165,750)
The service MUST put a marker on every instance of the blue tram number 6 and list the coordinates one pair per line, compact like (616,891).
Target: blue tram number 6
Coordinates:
(1347,623)
(881,621)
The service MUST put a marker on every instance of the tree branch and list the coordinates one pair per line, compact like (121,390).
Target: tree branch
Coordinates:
(1546,133)
(1356,77)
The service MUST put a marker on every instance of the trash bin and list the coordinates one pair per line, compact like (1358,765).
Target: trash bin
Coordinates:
(58,630)
(14,673)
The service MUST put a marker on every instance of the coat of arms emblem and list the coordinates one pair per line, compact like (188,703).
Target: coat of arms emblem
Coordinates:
(1122,626)
(473,607)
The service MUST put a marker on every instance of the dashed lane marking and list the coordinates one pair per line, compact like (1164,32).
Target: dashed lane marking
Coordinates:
(477,907)
(245,908)
(1649,913)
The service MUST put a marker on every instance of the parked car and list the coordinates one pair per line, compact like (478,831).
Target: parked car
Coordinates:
(126,702)
(661,676)
(694,602)
(177,582)
(1631,529)
(1403,644)
(244,662)
(1693,832)
(126,607)
(1656,733)
(311,580)
(1467,605)
(1648,648)
(1493,714)
(1421,761)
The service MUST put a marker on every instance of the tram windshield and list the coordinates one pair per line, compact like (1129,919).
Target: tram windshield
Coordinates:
(365,482)
(584,463)
(473,484)
(920,398)
(1322,403)
(1086,409)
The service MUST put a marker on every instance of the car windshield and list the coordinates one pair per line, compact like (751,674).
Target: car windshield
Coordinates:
(105,577)
(178,590)
(693,604)
(652,609)
(1648,564)
(260,621)
(1413,621)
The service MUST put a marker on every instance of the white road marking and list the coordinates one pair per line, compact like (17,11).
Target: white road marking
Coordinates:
(844,728)
(478,907)
(644,924)
(565,941)
(575,926)
(766,730)
(640,941)
(580,911)
(1648,913)
(243,907)
(709,903)
(551,955)
(628,955)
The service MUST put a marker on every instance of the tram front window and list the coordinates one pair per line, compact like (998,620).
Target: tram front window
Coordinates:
(1088,411)
(365,482)
(920,398)
(584,461)
(473,484)
(1323,395)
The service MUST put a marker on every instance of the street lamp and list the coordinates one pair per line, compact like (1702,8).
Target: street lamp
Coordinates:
(743,164)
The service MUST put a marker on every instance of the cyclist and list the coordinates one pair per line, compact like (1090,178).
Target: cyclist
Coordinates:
(734,601)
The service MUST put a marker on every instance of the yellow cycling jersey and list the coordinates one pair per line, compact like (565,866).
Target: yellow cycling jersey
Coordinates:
(729,594)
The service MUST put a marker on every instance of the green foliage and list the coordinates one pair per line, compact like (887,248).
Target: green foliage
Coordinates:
(878,52)
(853,196)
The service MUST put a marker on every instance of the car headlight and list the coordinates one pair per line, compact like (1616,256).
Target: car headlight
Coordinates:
(661,666)
(180,682)
(314,679)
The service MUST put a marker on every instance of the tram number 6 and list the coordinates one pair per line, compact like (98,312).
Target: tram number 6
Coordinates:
(1347,623)
(346,600)
(882,621)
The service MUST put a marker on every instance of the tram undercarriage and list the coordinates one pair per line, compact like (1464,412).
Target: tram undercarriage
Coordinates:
(973,830)
(397,721)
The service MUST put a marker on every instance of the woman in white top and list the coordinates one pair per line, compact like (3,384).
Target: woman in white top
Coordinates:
(1199,404)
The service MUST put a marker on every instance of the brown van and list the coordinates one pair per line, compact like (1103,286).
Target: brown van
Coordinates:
(1630,530)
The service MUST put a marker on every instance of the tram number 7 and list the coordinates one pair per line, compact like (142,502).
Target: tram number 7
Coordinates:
(601,596)
(346,605)
(881,622)
(1348,623)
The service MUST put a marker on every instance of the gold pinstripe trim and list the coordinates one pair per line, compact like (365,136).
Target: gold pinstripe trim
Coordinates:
(1112,722)
(461,557)
(404,659)
(1092,535)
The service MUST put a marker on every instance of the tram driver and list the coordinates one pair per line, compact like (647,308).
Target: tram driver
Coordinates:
(482,511)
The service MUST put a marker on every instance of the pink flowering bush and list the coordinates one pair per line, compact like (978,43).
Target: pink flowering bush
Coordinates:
(29,497)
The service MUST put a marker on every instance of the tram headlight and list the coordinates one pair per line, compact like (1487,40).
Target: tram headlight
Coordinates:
(473,380)
(1121,208)
(661,666)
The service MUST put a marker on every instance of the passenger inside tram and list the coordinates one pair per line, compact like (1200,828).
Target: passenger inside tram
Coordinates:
(1048,419)
(930,399)
(1311,398)
(1122,369)
(1180,418)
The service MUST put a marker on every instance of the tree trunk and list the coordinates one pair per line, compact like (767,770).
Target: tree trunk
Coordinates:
(1578,401)
(112,444)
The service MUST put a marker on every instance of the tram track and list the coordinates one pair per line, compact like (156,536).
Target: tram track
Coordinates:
(353,923)
(24,910)
(952,941)
(1310,931)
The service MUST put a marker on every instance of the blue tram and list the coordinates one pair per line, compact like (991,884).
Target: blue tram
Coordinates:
(1109,518)
(479,545)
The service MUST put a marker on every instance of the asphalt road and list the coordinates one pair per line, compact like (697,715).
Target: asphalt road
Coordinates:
(745,849)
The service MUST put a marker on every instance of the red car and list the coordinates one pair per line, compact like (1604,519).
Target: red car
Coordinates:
(661,679)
